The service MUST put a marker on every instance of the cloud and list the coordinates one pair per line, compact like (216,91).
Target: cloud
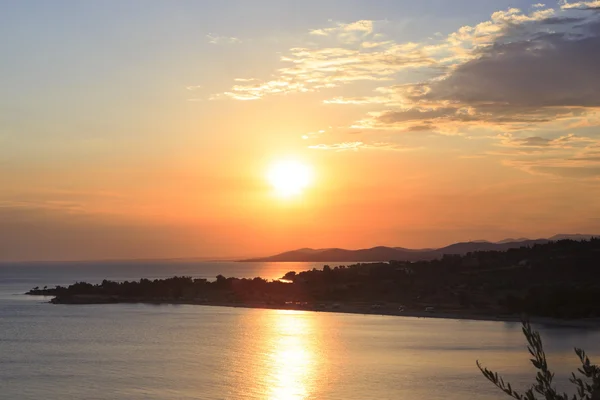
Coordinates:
(567,156)
(364,26)
(558,167)
(314,69)
(461,44)
(561,20)
(347,33)
(512,68)
(515,71)
(246,80)
(338,146)
(537,143)
(45,205)
(519,76)
(310,135)
(255,89)
(216,39)
(582,5)
(355,146)
(354,59)
(550,70)
(534,141)
(358,100)
(516,74)
(453,119)
(371,45)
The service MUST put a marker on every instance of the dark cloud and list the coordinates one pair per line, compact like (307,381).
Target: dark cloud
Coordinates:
(415,115)
(535,71)
(532,73)
(561,20)
(585,6)
(421,128)
(497,114)
(551,70)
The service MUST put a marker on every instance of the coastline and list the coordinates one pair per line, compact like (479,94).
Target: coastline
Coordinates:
(589,324)
(346,308)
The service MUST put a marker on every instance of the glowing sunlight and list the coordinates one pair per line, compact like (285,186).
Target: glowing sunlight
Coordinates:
(289,177)
(292,357)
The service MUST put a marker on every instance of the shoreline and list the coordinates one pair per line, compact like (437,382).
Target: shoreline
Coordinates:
(347,308)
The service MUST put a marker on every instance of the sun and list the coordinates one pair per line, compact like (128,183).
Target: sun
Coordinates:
(289,178)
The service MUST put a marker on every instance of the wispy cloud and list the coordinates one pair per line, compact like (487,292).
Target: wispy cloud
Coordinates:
(59,205)
(558,167)
(347,33)
(582,5)
(309,69)
(359,100)
(355,146)
(344,146)
(563,142)
(217,39)
(314,69)
(568,156)
(254,89)
(310,135)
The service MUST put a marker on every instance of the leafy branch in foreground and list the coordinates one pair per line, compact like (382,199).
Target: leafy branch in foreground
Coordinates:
(543,380)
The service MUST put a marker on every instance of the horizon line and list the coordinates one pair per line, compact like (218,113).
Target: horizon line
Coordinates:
(241,258)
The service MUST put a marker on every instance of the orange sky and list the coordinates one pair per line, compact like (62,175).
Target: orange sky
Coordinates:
(417,134)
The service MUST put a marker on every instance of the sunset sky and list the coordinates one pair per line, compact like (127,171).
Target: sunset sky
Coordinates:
(147,129)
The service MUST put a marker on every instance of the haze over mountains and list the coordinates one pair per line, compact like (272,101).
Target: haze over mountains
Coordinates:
(382,253)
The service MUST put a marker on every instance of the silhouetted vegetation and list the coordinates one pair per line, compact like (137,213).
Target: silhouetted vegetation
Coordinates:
(587,388)
(558,279)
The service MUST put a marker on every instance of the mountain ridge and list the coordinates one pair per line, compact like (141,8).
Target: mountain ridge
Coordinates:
(384,253)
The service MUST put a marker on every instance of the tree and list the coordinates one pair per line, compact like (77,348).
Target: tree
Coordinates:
(289,276)
(543,380)
(464,299)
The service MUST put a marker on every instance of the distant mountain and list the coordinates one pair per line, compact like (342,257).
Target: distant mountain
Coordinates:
(413,250)
(510,240)
(576,236)
(382,253)
(464,248)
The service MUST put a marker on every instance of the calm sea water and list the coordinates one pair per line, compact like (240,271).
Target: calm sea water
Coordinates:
(125,351)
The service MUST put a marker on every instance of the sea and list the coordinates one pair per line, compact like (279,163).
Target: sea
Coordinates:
(168,352)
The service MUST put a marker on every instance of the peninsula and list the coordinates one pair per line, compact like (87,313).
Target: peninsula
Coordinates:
(556,280)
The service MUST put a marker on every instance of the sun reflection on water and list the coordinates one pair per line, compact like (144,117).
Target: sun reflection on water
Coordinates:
(292,357)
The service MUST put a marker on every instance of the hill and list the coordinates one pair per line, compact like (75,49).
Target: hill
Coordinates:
(382,253)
